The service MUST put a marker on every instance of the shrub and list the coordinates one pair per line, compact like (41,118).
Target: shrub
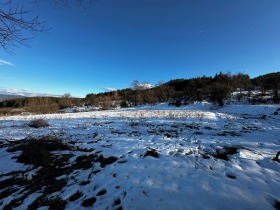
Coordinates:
(219,92)
(123,104)
(39,123)
(42,105)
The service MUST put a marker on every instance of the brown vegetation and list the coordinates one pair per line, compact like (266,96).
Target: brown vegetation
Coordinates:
(183,91)
(216,89)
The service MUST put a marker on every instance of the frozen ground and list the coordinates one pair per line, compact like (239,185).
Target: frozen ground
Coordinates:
(150,157)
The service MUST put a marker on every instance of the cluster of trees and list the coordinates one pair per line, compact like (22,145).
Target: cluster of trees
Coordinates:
(18,24)
(269,82)
(216,89)
(183,91)
(42,104)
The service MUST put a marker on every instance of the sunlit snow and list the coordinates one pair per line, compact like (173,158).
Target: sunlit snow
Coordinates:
(208,157)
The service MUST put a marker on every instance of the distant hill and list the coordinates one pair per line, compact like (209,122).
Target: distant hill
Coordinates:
(218,89)
(4,97)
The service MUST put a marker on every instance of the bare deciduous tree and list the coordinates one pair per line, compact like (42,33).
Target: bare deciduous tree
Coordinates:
(19,23)
(79,3)
(66,95)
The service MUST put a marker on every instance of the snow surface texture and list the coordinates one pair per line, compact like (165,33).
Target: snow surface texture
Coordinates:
(153,157)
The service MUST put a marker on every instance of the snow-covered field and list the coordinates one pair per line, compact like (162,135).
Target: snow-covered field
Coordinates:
(150,157)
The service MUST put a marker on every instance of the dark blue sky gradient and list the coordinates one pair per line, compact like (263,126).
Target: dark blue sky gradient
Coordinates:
(118,41)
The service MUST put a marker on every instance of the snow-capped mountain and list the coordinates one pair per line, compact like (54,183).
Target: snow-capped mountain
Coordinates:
(143,86)
(22,93)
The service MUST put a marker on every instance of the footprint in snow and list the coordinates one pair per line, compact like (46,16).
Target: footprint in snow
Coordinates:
(117,204)
(89,202)
(230,175)
(102,192)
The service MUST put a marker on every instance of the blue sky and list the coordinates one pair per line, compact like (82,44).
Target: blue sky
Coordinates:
(118,41)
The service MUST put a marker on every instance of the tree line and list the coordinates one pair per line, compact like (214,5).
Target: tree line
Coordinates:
(42,104)
(216,89)
(177,92)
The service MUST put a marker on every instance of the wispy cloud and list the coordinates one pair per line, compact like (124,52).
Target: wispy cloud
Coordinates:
(23,92)
(109,89)
(3,62)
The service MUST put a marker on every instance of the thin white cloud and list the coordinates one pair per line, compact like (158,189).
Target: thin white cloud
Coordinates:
(110,89)
(3,62)
(23,92)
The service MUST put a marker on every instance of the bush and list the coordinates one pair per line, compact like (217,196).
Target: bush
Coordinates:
(123,104)
(39,123)
(42,105)
(219,92)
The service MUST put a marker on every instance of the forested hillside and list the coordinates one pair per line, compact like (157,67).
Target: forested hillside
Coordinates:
(217,89)
(183,91)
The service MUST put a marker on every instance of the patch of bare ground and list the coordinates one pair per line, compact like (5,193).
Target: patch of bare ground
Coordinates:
(151,152)
(41,154)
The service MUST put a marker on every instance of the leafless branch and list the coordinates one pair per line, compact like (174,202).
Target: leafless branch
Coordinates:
(18,25)
(79,3)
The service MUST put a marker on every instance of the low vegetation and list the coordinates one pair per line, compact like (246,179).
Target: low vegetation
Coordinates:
(39,123)
(218,89)
(38,105)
